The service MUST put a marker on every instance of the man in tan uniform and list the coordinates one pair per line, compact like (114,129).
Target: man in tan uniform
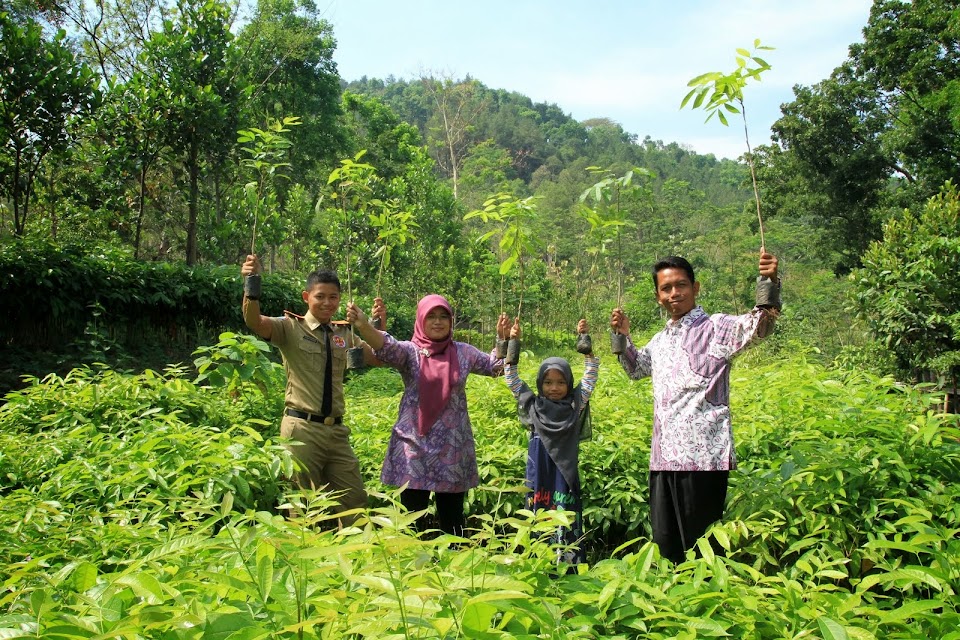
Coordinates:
(314,356)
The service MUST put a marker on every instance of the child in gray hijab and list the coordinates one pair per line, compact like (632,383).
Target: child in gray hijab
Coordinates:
(558,418)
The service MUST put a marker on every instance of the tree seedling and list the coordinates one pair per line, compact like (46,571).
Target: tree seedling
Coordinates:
(267,151)
(514,217)
(352,184)
(394,228)
(610,214)
(721,93)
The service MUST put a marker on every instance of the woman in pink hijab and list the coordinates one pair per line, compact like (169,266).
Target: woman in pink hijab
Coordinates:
(431,446)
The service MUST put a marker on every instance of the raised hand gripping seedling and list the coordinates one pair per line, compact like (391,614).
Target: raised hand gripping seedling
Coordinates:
(717,92)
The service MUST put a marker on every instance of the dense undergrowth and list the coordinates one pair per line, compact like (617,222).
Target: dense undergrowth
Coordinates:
(149,506)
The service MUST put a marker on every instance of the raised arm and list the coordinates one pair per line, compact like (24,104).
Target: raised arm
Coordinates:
(636,362)
(361,323)
(591,367)
(258,323)
(733,334)
(511,376)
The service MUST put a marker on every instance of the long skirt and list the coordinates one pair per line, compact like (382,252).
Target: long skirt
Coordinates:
(550,490)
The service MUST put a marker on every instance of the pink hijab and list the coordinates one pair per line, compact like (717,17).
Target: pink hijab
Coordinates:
(439,368)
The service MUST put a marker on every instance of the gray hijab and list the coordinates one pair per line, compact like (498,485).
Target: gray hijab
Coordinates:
(560,424)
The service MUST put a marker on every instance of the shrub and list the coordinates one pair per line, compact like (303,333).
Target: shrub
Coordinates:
(146,506)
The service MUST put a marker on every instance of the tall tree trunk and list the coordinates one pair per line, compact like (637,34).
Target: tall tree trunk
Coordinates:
(194,169)
(451,148)
(19,217)
(141,205)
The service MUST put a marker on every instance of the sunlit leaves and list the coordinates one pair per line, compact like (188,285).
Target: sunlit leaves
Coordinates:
(266,149)
(128,518)
(614,198)
(512,219)
(41,88)
(907,291)
(716,92)
(395,227)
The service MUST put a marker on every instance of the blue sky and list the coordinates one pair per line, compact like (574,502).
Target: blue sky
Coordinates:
(628,61)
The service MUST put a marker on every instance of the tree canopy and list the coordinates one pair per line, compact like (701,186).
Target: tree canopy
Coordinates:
(882,132)
(142,131)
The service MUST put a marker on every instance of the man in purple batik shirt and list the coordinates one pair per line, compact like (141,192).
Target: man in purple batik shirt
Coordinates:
(692,452)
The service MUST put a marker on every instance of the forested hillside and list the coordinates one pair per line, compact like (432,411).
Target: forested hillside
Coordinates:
(175,133)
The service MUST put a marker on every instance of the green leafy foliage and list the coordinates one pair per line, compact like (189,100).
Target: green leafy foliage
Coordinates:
(193,57)
(907,289)
(58,294)
(395,227)
(614,197)
(880,134)
(266,151)
(234,360)
(42,88)
(131,504)
(717,92)
(512,220)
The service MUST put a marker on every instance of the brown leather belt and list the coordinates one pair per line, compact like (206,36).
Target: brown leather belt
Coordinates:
(312,417)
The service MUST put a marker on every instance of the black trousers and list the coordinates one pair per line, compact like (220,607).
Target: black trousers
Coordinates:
(682,505)
(449,508)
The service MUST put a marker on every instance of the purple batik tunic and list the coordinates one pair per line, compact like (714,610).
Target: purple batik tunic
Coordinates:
(689,361)
(444,460)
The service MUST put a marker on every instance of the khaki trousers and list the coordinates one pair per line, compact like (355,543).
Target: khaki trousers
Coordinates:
(326,461)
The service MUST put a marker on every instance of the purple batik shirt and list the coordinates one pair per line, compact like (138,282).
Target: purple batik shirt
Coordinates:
(445,459)
(689,361)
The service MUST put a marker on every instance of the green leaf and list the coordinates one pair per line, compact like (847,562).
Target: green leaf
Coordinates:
(508,264)
(909,610)
(831,630)
(265,575)
(236,625)
(145,586)
(376,582)
(477,616)
(226,505)
(84,576)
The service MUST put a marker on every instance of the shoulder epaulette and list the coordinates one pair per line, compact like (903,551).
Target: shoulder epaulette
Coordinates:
(291,314)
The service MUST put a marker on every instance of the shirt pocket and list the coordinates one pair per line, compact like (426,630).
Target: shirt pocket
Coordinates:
(339,359)
(313,354)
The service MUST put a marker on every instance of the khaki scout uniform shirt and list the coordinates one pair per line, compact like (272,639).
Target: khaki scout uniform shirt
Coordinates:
(302,342)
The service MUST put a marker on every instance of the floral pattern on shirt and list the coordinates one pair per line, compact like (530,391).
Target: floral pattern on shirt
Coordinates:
(444,460)
(689,361)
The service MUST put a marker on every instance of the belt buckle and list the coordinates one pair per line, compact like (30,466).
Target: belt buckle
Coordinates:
(329,420)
